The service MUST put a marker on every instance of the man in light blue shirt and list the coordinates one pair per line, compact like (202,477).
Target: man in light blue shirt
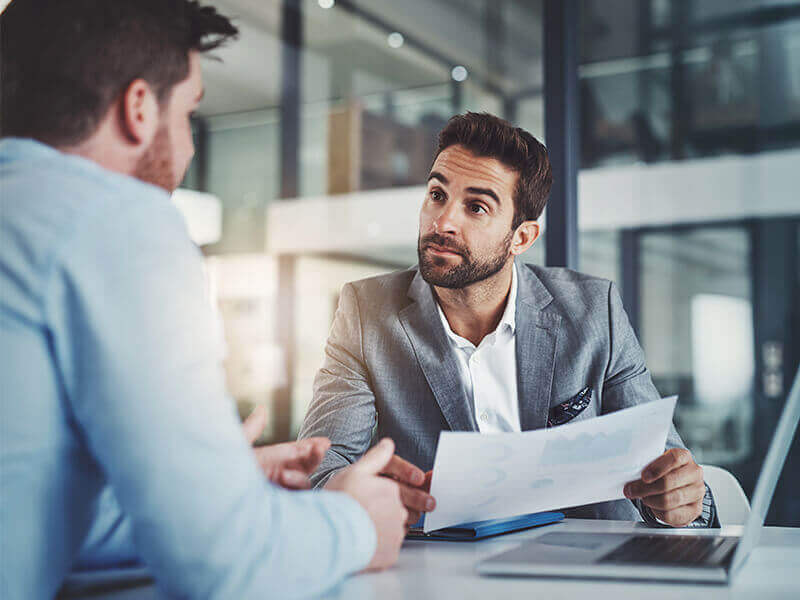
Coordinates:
(117,438)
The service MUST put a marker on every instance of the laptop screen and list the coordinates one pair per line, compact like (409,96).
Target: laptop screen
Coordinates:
(773,464)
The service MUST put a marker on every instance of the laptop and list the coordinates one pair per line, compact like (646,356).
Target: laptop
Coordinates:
(637,555)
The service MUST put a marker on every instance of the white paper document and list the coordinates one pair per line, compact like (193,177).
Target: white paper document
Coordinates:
(491,476)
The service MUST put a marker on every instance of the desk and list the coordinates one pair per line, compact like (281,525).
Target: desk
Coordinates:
(445,570)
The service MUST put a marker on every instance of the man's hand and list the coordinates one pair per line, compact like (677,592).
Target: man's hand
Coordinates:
(288,464)
(672,486)
(414,487)
(380,497)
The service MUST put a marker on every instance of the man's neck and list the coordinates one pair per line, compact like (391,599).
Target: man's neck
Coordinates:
(106,148)
(473,312)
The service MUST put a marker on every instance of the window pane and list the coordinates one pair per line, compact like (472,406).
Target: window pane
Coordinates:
(599,253)
(697,333)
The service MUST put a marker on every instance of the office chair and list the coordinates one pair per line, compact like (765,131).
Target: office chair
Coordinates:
(733,507)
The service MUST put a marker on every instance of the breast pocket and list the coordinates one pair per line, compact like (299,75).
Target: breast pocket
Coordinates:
(567,411)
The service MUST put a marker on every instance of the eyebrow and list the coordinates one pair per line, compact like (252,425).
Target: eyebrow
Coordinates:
(484,192)
(471,190)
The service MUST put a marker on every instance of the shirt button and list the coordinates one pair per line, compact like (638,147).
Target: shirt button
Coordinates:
(475,360)
(485,417)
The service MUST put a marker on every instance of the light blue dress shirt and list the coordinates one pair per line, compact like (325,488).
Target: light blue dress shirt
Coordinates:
(117,438)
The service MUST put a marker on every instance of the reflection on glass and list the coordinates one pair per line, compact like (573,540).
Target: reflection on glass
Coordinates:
(663,81)
(599,254)
(722,348)
(697,333)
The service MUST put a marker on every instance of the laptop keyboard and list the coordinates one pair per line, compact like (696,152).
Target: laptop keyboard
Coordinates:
(664,549)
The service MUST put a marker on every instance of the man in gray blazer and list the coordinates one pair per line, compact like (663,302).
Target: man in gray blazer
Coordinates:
(473,340)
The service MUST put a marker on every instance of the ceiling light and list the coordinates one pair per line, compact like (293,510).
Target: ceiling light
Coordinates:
(459,73)
(395,39)
(326,3)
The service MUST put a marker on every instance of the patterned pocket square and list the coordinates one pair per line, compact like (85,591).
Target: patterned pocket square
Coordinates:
(570,409)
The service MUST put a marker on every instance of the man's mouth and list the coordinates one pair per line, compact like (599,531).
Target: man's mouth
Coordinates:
(442,250)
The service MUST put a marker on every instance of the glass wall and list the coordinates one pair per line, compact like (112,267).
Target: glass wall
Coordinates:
(667,80)
(690,127)
(318,129)
(697,326)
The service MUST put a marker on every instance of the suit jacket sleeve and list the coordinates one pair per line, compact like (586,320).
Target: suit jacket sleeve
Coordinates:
(628,383)
(343,406)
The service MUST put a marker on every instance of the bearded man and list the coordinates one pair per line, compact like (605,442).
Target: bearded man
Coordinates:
(473,340)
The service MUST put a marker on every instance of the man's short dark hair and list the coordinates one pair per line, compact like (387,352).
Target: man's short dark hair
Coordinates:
(486,135)
(64,62)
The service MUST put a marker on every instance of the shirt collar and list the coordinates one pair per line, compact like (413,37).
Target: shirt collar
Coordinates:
(12,148)
(508,320)
(509,317)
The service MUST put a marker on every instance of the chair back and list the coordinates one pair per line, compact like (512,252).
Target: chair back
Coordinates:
(732,505)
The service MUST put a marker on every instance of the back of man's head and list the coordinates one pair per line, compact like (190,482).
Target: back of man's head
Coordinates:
(64,62)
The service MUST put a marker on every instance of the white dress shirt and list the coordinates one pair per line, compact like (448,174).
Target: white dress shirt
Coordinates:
(489,371)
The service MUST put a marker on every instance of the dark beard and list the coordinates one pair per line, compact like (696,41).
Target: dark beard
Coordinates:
(155,165)
(469,271)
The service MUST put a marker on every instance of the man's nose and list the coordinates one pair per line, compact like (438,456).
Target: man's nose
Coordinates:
(447,219)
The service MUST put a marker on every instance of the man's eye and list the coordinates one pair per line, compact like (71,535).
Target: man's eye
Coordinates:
(477,209)
(437,196)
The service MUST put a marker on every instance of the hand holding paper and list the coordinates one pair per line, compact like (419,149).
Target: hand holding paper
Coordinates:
(672,487)
(414,486)
(487,476)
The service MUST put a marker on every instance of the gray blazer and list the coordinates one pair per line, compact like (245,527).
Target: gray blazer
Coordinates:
(389,369)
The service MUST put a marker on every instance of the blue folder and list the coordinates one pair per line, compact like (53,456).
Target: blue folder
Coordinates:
(80,584)
(479,530)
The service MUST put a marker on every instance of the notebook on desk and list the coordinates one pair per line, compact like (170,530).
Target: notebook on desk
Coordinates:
(479,530)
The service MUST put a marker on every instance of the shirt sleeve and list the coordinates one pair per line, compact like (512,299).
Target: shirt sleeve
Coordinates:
(140,358)
(707,518)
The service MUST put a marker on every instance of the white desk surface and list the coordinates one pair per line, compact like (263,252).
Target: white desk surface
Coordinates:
(445,570)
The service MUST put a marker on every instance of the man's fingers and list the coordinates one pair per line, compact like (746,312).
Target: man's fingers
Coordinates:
(405,472)
(376,459)
(426,485)
(416,500)
(254,424)
(678,478)
(276,455)
(311,452)
(687,495)
(413,517)
(293,480)
(303,456)
(681,516)
(669,461)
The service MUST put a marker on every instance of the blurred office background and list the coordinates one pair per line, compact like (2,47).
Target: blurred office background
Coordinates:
(317,131)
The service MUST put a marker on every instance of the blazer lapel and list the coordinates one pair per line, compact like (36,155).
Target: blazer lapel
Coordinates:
(536,336)
(421,322)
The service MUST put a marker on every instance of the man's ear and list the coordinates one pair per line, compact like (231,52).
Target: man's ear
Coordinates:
(139,118)
(524,236)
